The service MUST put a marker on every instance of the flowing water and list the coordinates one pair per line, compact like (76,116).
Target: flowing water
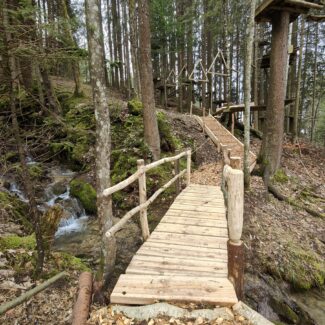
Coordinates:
(77,232)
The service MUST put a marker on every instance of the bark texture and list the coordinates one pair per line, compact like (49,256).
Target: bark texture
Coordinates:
(271,149)
(103,136)
(151,133)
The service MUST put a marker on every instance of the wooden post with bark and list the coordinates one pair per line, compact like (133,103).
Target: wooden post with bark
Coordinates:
(234,183)
(143,199)
(178,184)
(188,167)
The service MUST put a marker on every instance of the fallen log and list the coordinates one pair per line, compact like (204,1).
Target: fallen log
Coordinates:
(277,194)
(81,308)
(28,294)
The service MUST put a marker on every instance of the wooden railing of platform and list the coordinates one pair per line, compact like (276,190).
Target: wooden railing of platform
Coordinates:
(144,203)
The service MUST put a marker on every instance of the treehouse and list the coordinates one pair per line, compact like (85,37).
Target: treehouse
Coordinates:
(266,10)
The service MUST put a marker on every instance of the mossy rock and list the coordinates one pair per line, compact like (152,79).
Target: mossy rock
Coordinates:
(285,311)
(86,193)
(16,242)
(168,141)
(135,107)
(300,266)
(280,177)
(16,210)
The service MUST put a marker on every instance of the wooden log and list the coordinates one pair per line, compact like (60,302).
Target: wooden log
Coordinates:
(188,167)
(109,191)
(163,161)
(81,307)
(120,186)
(277,194)
(234,179)
(191,109)
(28,294)
(305,4)
(142,199)
(134,211)
(236,267)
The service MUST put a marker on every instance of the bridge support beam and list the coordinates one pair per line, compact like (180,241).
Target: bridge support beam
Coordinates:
(236,266)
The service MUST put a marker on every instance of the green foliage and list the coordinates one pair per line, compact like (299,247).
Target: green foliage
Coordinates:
(36,171)
(135,107)
(85,193)
(280,176)
(14,209)
(301,267)
(65,262)
(16,242)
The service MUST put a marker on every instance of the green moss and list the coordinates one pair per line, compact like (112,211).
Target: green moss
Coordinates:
(135,107)
(282,309)
(85,193)
(15,242)
(280,176)
(14,209)
(36,171)
(301,267)
(168,142)
(65,261)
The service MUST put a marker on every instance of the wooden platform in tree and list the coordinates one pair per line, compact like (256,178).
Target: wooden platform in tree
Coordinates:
(185,258)
(265,11)
(221,137)
(241,107)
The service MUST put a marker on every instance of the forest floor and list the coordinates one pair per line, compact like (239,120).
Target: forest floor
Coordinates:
(285,246)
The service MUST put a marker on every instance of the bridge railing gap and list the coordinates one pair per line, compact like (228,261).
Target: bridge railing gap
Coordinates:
(144,203)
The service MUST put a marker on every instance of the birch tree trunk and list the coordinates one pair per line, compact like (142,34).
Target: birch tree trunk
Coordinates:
(151,133)
(103,137)
(247,91)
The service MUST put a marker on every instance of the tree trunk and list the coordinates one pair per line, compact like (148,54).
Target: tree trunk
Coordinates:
(247,92)
(313,110)
(271,149)
(151,133)
(13,82)
(298,95)
(103,136)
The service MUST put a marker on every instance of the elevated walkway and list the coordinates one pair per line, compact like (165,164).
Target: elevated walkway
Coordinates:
(185,258)
(225,141)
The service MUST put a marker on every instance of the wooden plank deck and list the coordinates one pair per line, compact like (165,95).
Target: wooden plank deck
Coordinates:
(185,258)
(217,132)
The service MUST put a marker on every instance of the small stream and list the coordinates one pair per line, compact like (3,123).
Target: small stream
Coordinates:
(77,233)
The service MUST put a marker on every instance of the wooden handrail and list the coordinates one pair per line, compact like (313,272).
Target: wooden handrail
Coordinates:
(120,186)
(140,175)
(140,207)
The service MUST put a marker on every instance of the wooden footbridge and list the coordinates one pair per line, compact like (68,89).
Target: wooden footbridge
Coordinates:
(195,253)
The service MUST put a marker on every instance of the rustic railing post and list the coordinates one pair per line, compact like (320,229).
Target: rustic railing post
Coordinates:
(191,109)
(188,167)
(178,183)
(235,213)
(143,199)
